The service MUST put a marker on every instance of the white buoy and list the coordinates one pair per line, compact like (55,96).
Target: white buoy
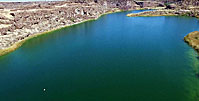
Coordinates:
(44,89)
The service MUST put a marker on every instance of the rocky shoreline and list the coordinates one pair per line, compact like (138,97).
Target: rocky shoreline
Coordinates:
(165,12)
(154,13)
(33,19)
(193,40)
(20,21)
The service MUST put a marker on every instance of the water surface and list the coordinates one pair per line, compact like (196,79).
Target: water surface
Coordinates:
(115,58)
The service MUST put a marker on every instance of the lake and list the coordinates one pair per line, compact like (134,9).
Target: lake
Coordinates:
(116,58)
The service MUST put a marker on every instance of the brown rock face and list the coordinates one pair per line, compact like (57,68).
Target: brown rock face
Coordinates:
(19,20)
(193,40)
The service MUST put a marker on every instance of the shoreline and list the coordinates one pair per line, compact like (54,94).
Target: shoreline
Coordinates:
(192,38)
(164,12)
(155,13)
(20,43)
(151,15)
(25,20)
(159,15)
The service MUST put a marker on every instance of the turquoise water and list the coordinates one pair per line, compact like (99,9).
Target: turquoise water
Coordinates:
(115,58)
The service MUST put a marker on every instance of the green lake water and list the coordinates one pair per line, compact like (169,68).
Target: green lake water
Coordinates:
(115,58)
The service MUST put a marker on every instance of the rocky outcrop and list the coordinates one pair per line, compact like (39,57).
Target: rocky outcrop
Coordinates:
(151,4)
(190,2)
(38,18)
(193,40)
(170,10)
(21,20)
